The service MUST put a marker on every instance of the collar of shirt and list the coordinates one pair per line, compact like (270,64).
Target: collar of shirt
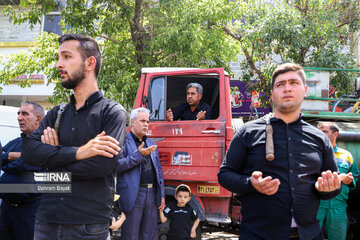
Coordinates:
(136,139)
(90,100)
(274,119)
(198,107)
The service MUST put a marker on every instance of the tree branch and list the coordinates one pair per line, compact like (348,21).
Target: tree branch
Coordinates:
(110,39)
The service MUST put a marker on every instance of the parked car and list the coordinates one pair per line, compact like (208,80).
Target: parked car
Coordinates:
(9,126)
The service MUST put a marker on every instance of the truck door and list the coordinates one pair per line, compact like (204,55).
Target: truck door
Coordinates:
(190,151)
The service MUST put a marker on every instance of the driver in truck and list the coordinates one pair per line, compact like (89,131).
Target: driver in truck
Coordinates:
(194,108)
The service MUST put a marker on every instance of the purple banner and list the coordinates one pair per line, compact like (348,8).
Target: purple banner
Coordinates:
(241,101)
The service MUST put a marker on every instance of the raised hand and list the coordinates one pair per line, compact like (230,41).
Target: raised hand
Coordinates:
(267,185)
(348,179)
(329,181)
(201,115)
(169,115)
(101,145)
(146,151)
(50,137)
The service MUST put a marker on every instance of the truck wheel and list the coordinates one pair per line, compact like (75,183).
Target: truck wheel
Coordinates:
(163,228)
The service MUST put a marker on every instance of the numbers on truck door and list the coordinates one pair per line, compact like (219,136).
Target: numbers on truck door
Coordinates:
(177,131)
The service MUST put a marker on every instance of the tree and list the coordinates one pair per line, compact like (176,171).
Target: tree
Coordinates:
(134,34)
(313,33)
(201,33)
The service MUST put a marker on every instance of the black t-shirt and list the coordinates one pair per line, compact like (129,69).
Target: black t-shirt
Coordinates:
(182,220)
(183,111)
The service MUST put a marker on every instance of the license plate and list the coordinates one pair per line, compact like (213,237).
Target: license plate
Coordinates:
(208,189)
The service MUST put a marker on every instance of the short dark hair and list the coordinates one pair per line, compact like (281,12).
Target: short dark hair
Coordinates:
(88,47)
(38,110)
(288,67)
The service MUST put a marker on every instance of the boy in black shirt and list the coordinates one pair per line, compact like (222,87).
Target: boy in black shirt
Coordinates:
(184,220)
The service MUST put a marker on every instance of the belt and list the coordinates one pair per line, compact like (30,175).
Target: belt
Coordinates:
(147,185)
(23,202)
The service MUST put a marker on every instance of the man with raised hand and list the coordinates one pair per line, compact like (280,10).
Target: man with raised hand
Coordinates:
(281,194)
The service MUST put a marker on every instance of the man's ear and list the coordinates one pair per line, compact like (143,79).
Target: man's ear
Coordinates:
(38,119)
(200,96)
(91,63)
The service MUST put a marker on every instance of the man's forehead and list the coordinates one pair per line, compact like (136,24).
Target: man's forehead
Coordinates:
(288,76)
(191,89)
(143,115)
(70,46)
(27,107)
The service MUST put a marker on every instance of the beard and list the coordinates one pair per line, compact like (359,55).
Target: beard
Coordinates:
(76,78)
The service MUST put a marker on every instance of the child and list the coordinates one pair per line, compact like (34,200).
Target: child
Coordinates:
(184,220)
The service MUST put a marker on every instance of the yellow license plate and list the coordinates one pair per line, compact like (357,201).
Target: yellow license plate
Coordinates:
(208,189)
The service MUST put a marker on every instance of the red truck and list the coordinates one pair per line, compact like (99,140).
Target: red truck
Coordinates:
(191,152)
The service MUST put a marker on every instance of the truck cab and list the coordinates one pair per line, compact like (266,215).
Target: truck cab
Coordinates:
(190,151)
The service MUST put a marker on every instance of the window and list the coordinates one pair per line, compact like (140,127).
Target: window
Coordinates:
(51,23)
(157,99)
(170,91)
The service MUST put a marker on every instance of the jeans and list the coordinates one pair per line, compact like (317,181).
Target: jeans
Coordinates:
(54,231)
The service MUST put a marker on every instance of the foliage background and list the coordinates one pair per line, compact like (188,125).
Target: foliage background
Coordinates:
(193,33)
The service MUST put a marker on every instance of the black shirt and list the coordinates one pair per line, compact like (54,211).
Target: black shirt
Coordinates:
(17,172)
(181,221)
(148,173)
(92,179)
(302,152)
(183,111)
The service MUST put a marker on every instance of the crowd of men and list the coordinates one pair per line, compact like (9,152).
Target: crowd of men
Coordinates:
(87,137)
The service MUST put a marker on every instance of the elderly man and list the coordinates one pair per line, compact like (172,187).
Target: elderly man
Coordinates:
(18,210)
(194,108)
(333,212)
(140,181)
(281,193)
(91,132)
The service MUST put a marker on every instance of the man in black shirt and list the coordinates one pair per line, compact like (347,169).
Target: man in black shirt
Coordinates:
(285,192)
(193,109)
(140,181)
(90,135)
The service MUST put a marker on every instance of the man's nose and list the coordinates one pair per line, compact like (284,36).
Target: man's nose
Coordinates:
(59,65)
(287,87)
